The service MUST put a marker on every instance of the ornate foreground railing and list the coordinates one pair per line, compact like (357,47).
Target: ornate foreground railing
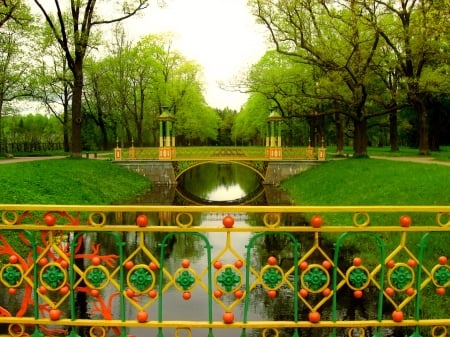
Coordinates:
(224,271)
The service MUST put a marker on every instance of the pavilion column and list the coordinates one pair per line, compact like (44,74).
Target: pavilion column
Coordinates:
(273,137)
(161,133)
(166,134)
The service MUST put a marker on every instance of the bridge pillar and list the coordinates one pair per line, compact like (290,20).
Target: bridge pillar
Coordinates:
(273,135)
(166,134)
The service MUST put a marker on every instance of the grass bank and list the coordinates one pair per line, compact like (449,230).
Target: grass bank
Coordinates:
(371,182)
(68,181)
(356,182)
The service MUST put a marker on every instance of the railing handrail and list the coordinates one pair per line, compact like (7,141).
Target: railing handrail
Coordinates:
(405,261)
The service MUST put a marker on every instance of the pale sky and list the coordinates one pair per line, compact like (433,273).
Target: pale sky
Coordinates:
(220,35)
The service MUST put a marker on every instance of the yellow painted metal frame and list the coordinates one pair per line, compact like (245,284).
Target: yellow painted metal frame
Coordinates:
(53,258)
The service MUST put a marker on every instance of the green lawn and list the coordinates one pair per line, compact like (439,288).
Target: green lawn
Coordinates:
(350,182)
(385,151)
(68,181)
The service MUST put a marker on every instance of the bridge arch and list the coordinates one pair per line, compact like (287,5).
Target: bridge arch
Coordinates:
(261,172)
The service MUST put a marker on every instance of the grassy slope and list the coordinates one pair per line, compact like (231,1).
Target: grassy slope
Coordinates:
(371,182)
(353,182)
(68,181)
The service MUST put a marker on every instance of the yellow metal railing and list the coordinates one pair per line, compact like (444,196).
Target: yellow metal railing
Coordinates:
(213,152)
(180,270)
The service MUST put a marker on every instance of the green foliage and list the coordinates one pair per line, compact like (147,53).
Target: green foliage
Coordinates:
(68,181)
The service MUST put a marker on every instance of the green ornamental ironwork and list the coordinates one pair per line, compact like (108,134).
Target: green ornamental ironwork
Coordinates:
(228,279)
(315,278)
(272,277)
(401,277)
(141,279)
(12,275)
(96,276)
(53,276)
(185,280)
(358,278)
(442,275)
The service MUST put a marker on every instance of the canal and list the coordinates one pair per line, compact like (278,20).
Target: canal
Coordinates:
(219,184)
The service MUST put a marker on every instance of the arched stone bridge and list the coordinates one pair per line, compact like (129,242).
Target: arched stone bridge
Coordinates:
(271,167)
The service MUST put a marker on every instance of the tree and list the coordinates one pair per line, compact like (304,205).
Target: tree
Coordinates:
(416,32)
(338,40)
(14,10)
(13,66)
(74,37)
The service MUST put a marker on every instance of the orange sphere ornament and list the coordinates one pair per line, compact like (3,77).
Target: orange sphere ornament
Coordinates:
(303,265)
(217,264)
(357,261)
(412,263)
(326,264)
(390,264)
(303,293)
(130,293)
(410,291)
(142,220)
(228,221)
(217,294)
(12,291)
(397,316)
(64,290)
(440,291)
(238,264)
(129,265)
(142,316)
(96,260)
(228,317)
(13,259)
(272,293)
(55,314)
(152,293)
(314,317)
(405,221)
(316,221)
(49,219)
(185,263)
(153,266)
(96,292)
(389,291)
(358,294)
(187,295)
(43,261)
(238,293)
(272,260)
(442,260)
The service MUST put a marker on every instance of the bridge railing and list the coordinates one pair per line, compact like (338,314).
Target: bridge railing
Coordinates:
(196,271)
(215,152)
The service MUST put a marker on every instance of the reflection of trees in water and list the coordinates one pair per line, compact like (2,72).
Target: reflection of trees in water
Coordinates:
(203,179)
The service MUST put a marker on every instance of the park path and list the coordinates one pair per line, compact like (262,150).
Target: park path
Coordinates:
(421,160)
(25,159)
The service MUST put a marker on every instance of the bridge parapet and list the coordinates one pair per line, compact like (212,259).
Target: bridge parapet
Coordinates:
(208,152)
(338,271)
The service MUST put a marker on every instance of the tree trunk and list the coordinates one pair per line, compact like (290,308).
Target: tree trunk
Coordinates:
(393,131)
(360,141)
(77,116)
(422,118)
(339,134)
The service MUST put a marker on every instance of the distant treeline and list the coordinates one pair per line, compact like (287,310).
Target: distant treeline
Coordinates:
(30,147)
